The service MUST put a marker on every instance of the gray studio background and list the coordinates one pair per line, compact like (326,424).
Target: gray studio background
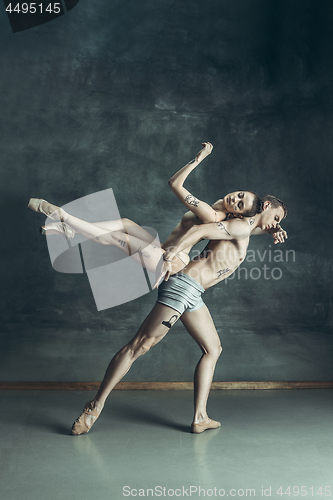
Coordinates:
(120,94)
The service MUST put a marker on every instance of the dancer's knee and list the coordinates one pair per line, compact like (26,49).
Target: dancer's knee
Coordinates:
(214,351)
(106,239)
(143,348)
(139,348)
(127,222)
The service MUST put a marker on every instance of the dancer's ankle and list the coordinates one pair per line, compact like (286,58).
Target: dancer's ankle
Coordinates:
(200,417)
(98,405)
(54,210)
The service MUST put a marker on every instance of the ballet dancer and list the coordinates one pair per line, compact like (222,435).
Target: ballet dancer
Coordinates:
(181,298)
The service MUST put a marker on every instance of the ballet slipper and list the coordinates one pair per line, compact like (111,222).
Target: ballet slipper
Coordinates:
(80,425)
(203,426)
(60,228)
(35,204)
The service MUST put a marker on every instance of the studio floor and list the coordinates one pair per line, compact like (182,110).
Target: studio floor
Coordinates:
(142,446)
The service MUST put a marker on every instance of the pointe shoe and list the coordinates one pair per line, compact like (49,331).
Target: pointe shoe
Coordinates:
(60,228)
(35,204)
(203,426)
(80,425)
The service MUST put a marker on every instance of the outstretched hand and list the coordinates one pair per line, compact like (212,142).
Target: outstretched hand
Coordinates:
(207,149)
(280,236)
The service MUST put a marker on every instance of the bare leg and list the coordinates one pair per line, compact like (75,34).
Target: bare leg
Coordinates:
(200,326)
(115,233)
(123,233)
(120,225)
(99,231)
(128,226)
(150,333)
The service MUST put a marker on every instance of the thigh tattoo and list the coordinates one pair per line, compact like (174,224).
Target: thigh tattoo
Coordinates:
(171,321)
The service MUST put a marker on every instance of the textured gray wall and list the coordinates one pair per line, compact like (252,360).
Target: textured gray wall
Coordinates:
(121,94)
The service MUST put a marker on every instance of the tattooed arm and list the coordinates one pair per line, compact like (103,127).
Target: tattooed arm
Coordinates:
(226,230)
(201,209)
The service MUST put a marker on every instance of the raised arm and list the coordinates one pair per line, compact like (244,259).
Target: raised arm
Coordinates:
(201,209)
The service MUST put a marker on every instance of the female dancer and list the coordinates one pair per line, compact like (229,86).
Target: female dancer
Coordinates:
(131,238)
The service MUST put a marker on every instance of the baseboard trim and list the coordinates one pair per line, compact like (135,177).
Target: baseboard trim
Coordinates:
(162,386)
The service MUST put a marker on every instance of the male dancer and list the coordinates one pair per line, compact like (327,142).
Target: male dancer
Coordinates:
(180,297)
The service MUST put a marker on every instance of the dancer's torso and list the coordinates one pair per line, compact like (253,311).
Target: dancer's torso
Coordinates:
(217,261)
(188,220)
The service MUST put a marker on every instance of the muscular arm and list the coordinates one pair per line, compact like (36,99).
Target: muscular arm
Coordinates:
(226,230)
(201,209)
(278,233)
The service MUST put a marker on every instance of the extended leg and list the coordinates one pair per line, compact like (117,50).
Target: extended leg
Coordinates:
(142,250)
(128,226)
(124,225)
(152,330)
(123,233)
(200,326)
(99,231)
(146,254)
(116,233)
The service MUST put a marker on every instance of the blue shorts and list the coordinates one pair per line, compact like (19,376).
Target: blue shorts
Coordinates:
(182,293)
